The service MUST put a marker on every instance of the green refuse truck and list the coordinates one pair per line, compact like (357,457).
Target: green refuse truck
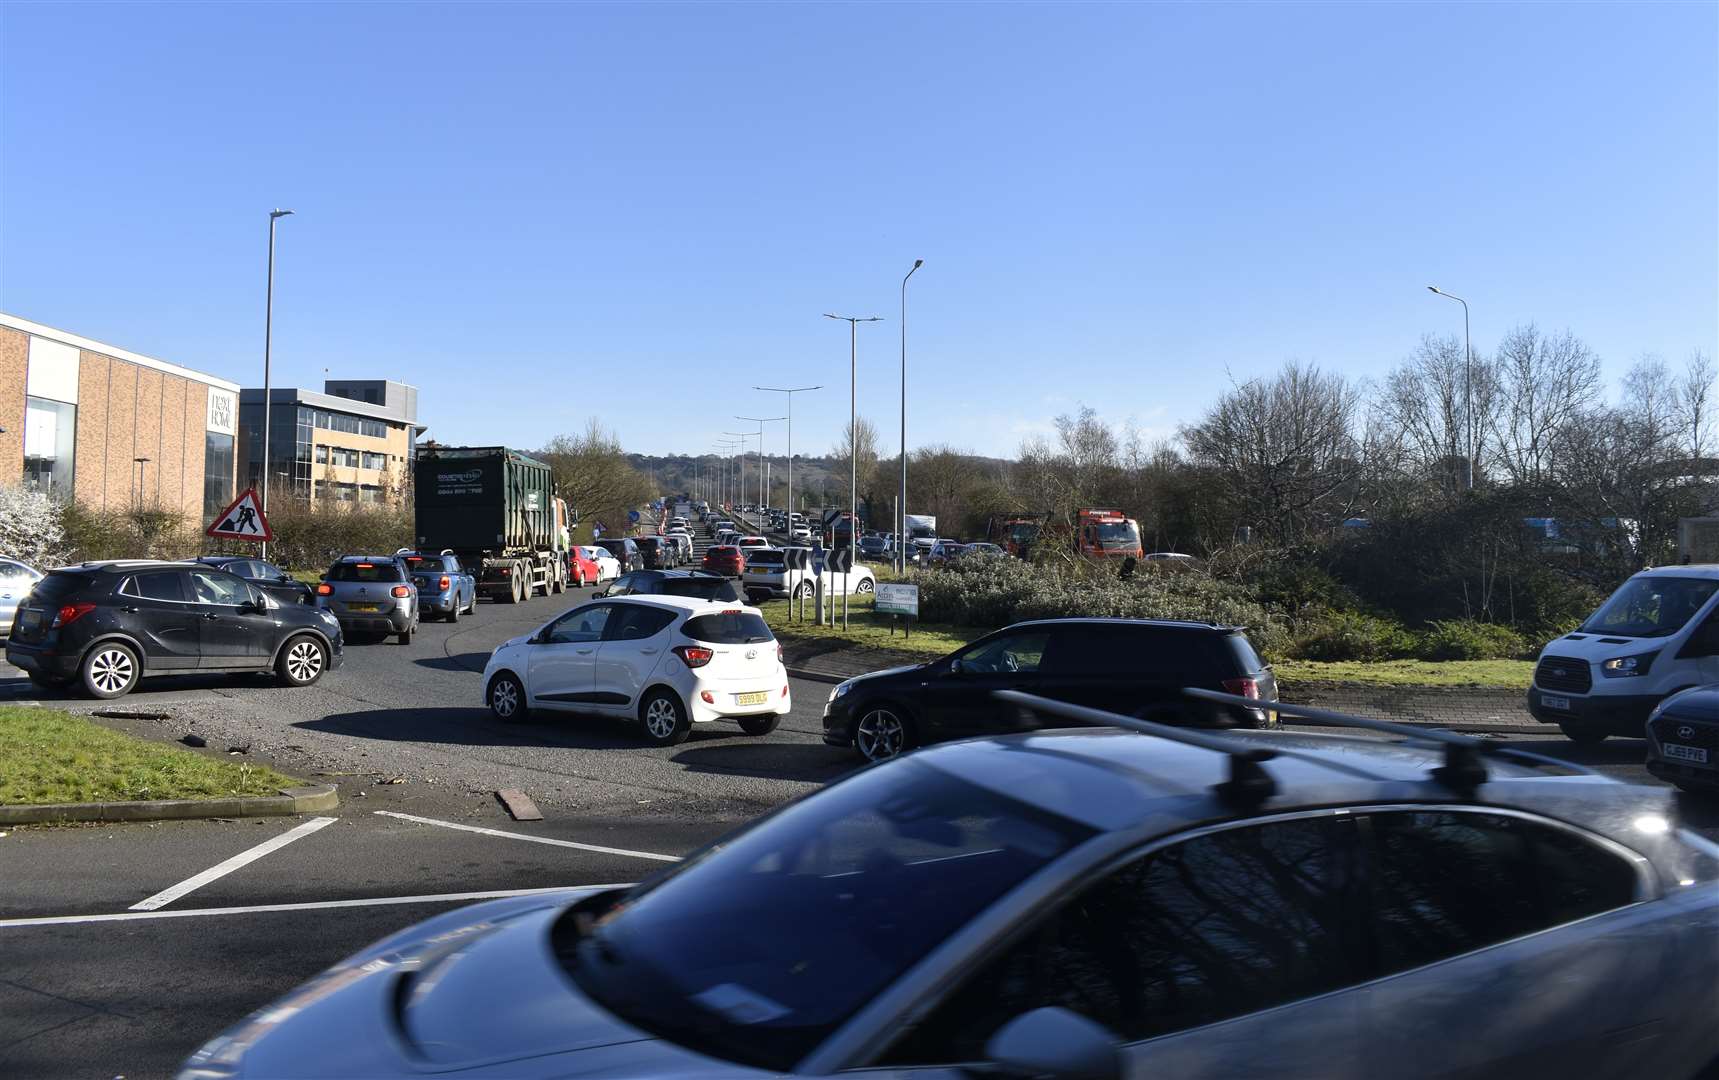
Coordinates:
(497,509)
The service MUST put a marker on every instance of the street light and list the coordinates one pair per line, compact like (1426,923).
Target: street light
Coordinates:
(142,464)
(724,451)
(268,343)
(853,322)
(790,391)
(763,495)
(1467,389)
(901,503)
(740,466)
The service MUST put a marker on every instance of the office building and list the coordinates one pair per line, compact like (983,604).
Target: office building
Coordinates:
(352,443)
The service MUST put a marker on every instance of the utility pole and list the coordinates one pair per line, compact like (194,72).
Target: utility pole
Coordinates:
(901,498)
(853,322)
(268,344)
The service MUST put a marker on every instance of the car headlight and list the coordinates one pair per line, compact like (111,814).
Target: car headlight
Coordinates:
(1623,667)
(841,688)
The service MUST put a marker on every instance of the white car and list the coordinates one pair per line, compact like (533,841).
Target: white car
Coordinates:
(683,538)
(608,567)
(751,543)
(800,532)
(668,662)
(765,576)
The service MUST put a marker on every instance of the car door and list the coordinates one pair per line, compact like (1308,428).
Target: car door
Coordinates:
(634,641)
(237,632)
(1232,953)
(1126,668)
(560,664)
(1526,922)
(158,608)
(955,699)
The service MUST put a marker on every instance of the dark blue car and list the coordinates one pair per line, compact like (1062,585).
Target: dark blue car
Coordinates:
(444,588)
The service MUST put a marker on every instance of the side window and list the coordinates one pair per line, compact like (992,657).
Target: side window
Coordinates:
(1447,883)
(581,624)
(1215,927)
(635,622)
(623,585)
(160,585)
(1013,652)
(224,589)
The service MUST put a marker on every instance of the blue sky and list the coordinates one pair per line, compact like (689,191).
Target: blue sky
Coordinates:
(540,213)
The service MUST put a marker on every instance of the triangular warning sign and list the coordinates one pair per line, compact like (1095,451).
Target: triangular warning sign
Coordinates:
(242,521)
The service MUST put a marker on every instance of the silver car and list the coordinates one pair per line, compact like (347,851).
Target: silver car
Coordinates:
(371,594)
(1082,903)
(16,581)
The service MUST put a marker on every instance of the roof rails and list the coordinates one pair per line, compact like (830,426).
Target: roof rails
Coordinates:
(1462,771)
(1248,784)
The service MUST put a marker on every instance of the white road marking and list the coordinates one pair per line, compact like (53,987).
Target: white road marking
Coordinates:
(222,869)
(314,905)
(533,839)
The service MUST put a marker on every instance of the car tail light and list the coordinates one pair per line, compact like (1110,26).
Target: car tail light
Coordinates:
(1242,687)
(784,690)
(325,589)
(443,583)
(402,590)
(779,660)
(693,656)
(507,571)
(707,696)
(71,613)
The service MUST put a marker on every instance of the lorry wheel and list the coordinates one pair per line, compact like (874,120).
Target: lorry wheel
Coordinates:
(513,592)
(559,585)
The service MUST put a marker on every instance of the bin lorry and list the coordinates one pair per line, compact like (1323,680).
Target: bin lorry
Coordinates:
(497,509)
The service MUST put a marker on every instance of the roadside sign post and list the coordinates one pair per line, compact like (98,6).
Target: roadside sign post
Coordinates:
(842,562)
(243,520)
(898,600)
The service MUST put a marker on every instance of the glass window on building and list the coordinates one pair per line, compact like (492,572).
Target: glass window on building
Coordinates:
(375,461)
(321,454)
(217,472)
(370,493)
(49,434)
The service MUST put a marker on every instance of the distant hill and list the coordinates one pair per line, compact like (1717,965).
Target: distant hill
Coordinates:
(812,475)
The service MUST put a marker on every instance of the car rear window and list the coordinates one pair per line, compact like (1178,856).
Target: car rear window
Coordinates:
(724,549)
(706,588)
(57,588)
(764,558)
(1242,649)
(728,628)
(361,571)
(431,563)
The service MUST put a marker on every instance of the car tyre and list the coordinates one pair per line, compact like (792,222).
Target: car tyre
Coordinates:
(453,614)
(864,586)
(760,725)
(883,731)
(804,590)
(1582,734)
(506,698)
(663,719)
(110,670)
(302,661)
(405,636)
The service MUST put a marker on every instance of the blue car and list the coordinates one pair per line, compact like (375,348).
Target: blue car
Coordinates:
(444,588)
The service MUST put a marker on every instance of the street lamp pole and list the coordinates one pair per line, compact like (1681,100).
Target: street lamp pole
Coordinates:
(268,346)
(763,493)
(901,502)
(740,460)
(142,487)
(790,391)
(1467,389)
(853,322)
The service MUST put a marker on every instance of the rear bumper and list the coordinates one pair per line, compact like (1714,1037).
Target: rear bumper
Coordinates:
(41,659)
(1614,714)
(725,708)
(388,621)
(442,603)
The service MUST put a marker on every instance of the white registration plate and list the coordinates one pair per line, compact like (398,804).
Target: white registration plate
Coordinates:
(1685,753)
(758,698)
(1551,702)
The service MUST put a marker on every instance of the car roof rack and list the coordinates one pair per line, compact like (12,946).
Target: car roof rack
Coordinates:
(1462,770)
(1248,784)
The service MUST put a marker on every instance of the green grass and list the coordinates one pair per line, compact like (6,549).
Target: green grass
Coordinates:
(868,629)
(308,577)
(1491,674)
(51,756)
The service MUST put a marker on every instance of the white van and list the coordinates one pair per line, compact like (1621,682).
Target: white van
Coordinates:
(1656,635)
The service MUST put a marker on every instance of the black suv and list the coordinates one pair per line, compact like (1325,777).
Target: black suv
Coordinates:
(265,576)
(625,551)
(1136,667)
(699,583)
(108,624)
(655,553)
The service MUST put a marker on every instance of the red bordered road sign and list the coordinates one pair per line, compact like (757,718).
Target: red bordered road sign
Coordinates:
(243,520)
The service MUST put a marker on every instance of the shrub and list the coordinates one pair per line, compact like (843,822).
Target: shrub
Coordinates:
(1465,639)
(135,533)
(32,527)
(311,537)
(1351,635)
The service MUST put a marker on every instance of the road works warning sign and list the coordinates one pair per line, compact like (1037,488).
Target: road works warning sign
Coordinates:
(242,521)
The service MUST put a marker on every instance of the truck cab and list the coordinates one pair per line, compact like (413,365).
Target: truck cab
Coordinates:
(1106,534)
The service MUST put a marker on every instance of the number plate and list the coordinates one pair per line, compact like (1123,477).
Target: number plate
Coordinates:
(752,699)
(363,607)
(30,620)
(1555,702)
(1685,753)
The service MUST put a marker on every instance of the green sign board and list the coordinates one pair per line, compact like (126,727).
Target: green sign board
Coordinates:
(896,600)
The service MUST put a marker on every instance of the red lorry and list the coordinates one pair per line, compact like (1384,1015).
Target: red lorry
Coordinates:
(1106,534)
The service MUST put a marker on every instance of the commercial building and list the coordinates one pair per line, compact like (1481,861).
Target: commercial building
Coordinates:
(114,428)
(354,442)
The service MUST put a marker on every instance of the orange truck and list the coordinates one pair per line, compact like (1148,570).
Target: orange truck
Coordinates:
(1106,534)
(1015,533)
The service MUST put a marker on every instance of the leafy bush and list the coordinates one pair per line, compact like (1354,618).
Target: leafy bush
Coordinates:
(1351,635)
(136,533)
(32,527)
(1465,639)
(1294,583)
(312,537)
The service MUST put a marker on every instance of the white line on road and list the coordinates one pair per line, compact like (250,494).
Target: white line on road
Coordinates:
(533,839)
(315,905)
(222,869)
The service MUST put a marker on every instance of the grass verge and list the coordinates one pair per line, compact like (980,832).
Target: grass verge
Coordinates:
(55,757)
(867,629)
(1488,674)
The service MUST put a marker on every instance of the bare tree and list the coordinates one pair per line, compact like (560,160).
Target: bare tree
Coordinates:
(1544,382)
(1428,397)
(594,476)
(1693,395)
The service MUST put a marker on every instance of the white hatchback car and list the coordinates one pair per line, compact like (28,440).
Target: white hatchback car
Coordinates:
(667,661)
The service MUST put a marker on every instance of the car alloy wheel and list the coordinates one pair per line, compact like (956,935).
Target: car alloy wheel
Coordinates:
(506,698)
(304,662)
(110,671)
(663,721)
(863,586)
(880,735)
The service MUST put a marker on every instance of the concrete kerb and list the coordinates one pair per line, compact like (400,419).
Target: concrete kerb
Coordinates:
(307,799)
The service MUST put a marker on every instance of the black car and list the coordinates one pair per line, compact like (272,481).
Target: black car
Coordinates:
(1683,739)
(700,583)
(265,576)
(108,624)
(1136,667)
(655,553)
(625,551)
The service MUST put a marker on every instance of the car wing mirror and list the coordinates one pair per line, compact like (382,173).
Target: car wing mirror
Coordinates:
(957,666)
(1056,1043)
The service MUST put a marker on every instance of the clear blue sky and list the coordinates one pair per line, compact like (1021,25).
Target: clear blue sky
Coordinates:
(540,213)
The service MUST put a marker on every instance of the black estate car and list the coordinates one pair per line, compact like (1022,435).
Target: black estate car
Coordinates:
(1136,667)
(108,624)
(700,583)
(265,576)
(625,551)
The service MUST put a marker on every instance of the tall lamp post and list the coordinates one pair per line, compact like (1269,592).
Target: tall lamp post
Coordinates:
(901,503)
(853,322)
(763,493)
(740,464)
(1467,390)
(268,346)
(142,464)
(790,391)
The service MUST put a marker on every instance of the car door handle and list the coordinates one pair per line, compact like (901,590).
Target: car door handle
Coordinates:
(584,652)
(647,651)
(211,616)
(128,609)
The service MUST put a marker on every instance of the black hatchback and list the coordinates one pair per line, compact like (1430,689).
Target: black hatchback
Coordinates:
(265,576)
(699,583)
(108,624)
(1136,667)
(625,551)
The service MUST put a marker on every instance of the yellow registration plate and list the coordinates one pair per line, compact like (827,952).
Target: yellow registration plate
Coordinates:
(363,607)
(752,699)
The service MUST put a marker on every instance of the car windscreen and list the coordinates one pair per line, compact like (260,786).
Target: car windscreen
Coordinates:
(728,628)
(1117,534)
(854,886)
(1651,606)
(362,571)
(708,588)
